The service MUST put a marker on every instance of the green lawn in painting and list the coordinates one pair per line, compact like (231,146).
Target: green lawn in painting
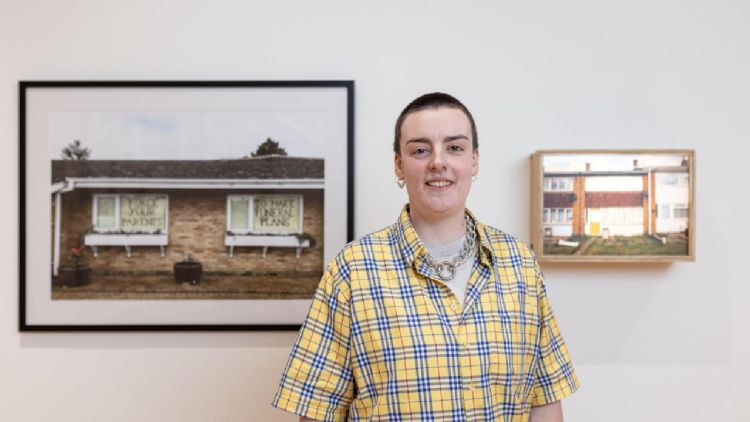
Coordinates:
(637,245)
(554,249)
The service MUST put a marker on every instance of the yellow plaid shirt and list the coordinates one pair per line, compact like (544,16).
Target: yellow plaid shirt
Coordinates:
(386,340)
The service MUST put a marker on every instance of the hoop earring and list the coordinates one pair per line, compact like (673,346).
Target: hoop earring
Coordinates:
(401,183)
(474,178)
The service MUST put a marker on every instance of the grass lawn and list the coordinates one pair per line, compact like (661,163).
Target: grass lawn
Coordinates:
(553,249)
(638,245)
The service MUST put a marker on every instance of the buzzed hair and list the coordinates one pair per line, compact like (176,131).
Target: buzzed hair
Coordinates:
(433,100)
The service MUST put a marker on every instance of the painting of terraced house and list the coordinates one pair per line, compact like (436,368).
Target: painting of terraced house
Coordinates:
(613,205)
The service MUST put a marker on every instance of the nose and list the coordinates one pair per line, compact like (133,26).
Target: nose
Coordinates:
(438,160)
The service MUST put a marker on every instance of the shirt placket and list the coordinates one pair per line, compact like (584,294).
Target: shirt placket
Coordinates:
(466,336)
(468,397)
(469,364)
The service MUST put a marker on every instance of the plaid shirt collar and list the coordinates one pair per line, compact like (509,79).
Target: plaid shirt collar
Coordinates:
(414,251)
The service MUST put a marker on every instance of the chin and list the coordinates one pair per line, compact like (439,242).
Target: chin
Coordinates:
(441,208)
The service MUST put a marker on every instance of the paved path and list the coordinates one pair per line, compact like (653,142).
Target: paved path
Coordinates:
(585,245)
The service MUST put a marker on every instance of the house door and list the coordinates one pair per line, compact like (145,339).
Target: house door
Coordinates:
(595,225)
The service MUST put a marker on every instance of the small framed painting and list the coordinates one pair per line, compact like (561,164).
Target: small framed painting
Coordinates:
(613,205)
(189,205)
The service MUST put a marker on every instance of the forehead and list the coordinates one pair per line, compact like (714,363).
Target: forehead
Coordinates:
(435,124)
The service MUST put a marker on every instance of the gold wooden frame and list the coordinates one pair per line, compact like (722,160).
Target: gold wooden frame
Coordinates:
(537,208)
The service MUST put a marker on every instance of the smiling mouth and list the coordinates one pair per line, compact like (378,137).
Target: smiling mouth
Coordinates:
(439,183)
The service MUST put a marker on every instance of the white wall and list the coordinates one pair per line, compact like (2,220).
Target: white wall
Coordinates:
(651,343)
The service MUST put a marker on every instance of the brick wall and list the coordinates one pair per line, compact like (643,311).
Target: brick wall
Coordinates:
(197,225)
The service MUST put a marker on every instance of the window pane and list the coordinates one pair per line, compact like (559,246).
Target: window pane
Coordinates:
(239,209)
(105,213)
(680,211)
(277,214)
(546,215)
(569,215)
(143,213)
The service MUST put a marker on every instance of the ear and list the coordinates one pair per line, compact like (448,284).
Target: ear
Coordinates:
(397,166)
(475,162)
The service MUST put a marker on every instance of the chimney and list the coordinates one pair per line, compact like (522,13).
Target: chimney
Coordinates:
(635,164)
(588,166)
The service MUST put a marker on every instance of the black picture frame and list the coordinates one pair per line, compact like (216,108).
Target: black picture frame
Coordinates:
(42,103)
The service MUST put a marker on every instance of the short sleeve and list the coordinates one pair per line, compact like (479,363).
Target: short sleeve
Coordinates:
(317,382)
(554,376)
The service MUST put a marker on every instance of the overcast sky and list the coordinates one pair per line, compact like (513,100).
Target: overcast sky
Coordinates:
(185,135)
(607,162)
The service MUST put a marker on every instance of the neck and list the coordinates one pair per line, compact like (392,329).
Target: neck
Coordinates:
(438,230)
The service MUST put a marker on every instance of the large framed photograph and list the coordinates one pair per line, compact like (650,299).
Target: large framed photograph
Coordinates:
(203,205)
(613,205)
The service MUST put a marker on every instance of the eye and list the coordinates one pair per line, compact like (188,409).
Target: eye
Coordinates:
(455,148)
(420,151)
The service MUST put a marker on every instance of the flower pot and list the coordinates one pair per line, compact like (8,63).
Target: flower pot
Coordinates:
(73,276)
(188,272)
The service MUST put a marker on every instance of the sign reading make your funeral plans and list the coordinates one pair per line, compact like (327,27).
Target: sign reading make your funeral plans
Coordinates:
(277,213)
(142,213)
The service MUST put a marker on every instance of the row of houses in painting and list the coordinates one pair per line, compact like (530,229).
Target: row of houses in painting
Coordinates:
(640,201)
(252,215)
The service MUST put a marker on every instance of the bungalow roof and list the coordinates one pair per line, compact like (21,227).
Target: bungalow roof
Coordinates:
(267,167)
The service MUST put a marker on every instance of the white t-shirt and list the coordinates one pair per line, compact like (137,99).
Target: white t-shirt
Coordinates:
(445,252)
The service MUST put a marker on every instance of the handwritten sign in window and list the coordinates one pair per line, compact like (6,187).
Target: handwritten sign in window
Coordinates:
(143,213)
(277,213)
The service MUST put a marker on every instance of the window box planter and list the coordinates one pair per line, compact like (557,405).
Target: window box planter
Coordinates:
(188,272)
(126,240)
(265,241)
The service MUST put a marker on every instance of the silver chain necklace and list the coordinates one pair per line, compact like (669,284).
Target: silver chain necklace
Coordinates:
(446,270)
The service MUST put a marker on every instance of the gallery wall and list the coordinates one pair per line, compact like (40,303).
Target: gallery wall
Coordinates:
(650,342)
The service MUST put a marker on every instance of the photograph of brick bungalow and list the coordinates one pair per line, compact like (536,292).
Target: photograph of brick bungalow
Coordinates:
(186,204)
(255,224)
(623,204)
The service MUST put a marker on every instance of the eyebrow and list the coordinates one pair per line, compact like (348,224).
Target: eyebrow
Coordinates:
(446,139)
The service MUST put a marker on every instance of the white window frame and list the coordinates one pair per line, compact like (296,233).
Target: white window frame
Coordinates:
(117,228)
(565,180)
(114,237)
(95,214)
(551,216)
(676,207)
(251,214)
(263,240)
